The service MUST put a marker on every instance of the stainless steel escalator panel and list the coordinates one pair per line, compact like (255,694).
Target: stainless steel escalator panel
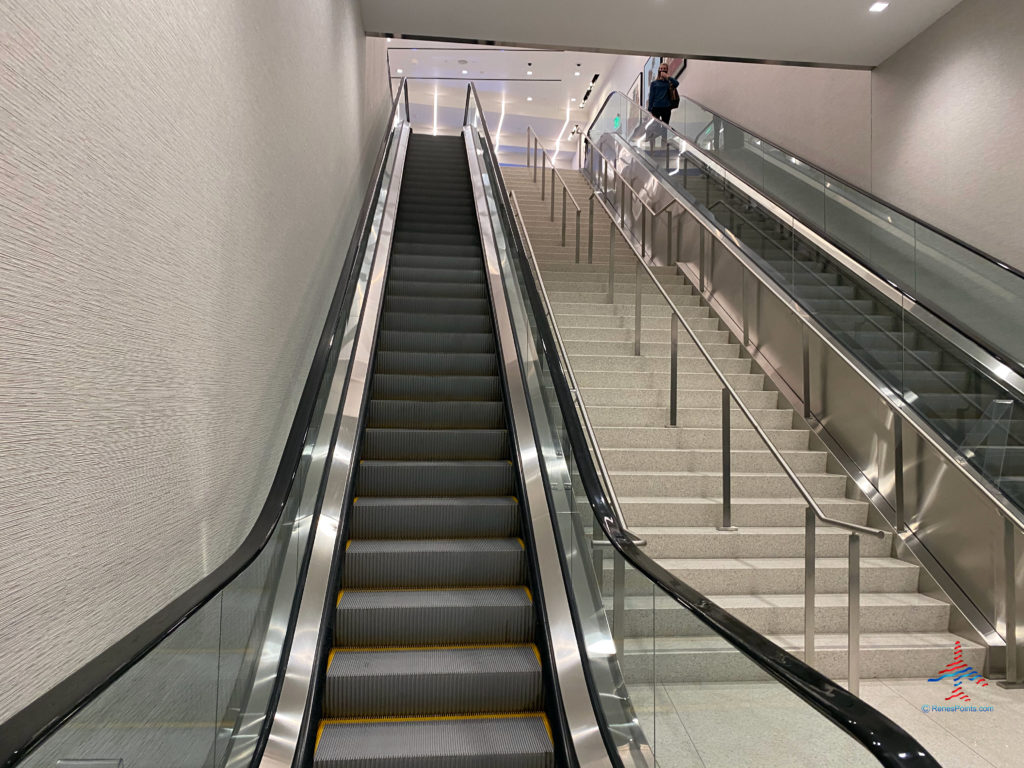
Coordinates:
(584,729)
(295,689)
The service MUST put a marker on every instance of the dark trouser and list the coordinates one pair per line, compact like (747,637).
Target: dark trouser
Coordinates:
(662,113)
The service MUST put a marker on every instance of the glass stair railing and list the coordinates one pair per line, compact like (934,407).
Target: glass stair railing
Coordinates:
(622,596)
(871,303)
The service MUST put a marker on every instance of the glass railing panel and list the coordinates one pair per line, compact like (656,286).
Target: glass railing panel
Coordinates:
(203,693)
(945,276)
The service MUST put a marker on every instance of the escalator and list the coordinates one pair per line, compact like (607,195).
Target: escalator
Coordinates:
(437,592)
(435,657)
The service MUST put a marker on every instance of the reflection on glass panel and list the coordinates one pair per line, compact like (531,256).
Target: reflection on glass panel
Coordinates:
(802,187)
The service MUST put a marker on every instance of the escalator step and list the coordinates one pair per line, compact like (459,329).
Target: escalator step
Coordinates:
(432,681)
(437,444)
(434,305)
(419,321)
(467,290)
(436,274)
(432,341)
(516,741)
(433,617)
(389,563)
(414,414)
(470,364)
(390,386)
(379,477)
(430,260)
(440,249)
(434,518)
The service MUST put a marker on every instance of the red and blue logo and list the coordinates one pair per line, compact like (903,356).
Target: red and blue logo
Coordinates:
(958,672)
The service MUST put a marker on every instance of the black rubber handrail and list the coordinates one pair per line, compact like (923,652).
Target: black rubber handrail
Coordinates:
(953,238)
(887,741)
(27,728)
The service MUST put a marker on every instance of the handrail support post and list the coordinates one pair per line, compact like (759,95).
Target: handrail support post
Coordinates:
(726,463)
(590,234)
(611,262)
(853,625)
(897,430)
(1013,667)
(563,215)
(673,401)
(578,235)
(809,585)
(638,313)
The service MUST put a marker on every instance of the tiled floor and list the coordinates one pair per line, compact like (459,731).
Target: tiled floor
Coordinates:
(729,725)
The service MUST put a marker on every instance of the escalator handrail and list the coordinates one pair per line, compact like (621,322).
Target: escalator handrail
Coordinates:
(953,238)
(989,347)
(889,743)
(28,727)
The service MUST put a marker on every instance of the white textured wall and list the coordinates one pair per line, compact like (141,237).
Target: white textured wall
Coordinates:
(176,182)
(935,129)
(948,110)
(822,114)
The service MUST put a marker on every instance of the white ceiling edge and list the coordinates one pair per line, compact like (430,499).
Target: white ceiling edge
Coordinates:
(823,32)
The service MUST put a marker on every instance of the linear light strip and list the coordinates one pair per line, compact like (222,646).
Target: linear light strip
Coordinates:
(561,133)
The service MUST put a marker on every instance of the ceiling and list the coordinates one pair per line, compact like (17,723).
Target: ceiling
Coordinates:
(826,32)
(548,100)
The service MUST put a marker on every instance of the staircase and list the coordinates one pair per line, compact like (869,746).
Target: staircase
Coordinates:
(668,480)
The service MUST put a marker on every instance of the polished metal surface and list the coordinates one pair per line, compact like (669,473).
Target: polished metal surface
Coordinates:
(294,701)
(953,516)
(577,398)
(810,588)
(853,608)
(584,731)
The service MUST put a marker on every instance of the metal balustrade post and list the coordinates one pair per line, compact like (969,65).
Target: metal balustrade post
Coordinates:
(534,159)
(590,233)
(622,203)
(563,216)
(553,191)
(668,237)
(726,463)
(806,364)
(1013,668)
(809,585)
(618,600)
(643,233)
(673,388)
(679,237)
(686,172)
(668,147)
(543,174)
(611,262)
(578,235)
(700,262)
(897,439)
(853,626)
(638,312)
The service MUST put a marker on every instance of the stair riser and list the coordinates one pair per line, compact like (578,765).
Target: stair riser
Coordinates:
(434,569)
(610,416)
(758,514)
(570,325)
(640,622)
(638,668)
(433,626)
(707,461)
(743,486)
(688,398)
(647,335)
(743,382)
(775,581)
(739,544)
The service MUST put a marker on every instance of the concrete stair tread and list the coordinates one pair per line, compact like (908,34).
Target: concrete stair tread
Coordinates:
(770,563)
(827,600)
(873,641)
(745,501)
(648,532)
(699,473)
(676,451)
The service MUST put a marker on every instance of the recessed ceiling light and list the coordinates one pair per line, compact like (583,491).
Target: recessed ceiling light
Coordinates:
(465,71)
(576,73)
(573,99)
(529,98)
(399,71)
(878,7)
(529,71)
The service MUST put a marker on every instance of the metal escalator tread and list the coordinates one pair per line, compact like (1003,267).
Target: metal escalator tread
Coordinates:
(512,741)
(434,661)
